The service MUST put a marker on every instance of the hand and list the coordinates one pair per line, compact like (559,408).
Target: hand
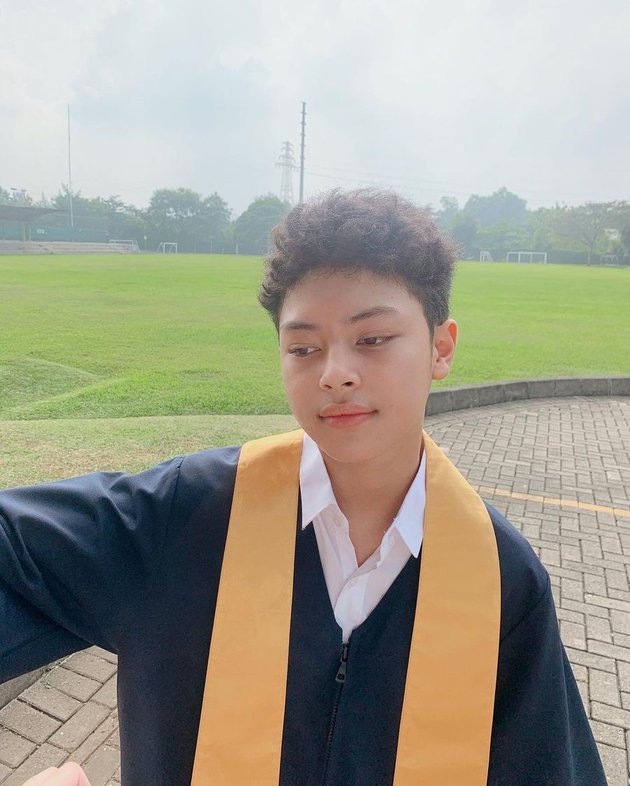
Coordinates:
(68,775)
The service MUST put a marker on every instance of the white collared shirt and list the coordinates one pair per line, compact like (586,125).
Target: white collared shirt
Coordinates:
(355,591)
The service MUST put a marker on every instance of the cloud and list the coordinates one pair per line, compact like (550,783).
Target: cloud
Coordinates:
(452,98)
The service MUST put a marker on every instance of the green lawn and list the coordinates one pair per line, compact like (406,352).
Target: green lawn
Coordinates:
(134,336)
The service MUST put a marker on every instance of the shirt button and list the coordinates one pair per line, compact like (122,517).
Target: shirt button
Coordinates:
(352,582)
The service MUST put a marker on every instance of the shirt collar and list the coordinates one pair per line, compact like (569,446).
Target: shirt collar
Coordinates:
(317,494)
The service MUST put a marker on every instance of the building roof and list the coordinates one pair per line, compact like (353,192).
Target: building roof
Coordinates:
(24,213)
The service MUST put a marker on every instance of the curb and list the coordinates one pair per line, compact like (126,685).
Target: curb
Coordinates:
(11,690)
(452,399)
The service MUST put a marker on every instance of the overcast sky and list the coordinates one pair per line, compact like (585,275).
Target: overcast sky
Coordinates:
(449,97)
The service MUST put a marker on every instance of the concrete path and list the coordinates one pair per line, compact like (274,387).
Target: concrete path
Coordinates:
(558,468)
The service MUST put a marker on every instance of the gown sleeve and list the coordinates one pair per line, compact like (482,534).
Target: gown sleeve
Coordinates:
(75,558)
(541,735)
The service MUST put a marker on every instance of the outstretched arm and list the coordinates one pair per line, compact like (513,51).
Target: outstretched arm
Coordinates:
(75,558)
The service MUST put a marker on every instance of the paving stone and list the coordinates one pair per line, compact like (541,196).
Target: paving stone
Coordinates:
(591,660)
(615,765)
(44,757)
(583,689)
(620,621)
(594,585)
(621,640)
(14,748)
(73,684)
(573,635)
(580,672)
(610,650)
(90,665)
(617,579)
(105,733)
(603,687)
(27,721)
(80,725)
(4,772)
(608,603)
(114,740)
(598,628)
(105,654)
(569,616)
(107,694)
(102,765)
(624,675)
(50,700)
(608,714)
(610,735)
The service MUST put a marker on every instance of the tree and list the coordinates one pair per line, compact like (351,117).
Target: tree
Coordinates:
(173,212)
(503,237)
(5,197)
(126,222)
(81,206)
(185,216)
(445,216)
(464,232)
(503,205)
(214,217)
(252,228)
(585,225)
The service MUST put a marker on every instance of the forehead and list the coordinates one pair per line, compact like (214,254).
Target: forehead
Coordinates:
(345,293)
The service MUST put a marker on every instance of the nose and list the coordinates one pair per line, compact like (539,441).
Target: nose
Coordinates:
(339,371)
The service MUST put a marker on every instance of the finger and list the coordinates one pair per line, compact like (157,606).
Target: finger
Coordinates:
(70,775)
(43,778)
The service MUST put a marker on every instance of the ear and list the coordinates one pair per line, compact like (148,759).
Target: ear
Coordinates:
(444,341)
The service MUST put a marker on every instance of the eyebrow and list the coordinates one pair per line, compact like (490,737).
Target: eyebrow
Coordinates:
(375,311)
(368,313)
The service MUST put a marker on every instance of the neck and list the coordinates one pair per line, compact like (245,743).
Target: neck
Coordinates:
(370,494)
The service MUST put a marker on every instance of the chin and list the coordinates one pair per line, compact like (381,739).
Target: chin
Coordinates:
(346,447)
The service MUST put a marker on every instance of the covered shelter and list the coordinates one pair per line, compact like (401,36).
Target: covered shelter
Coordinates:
(25,216)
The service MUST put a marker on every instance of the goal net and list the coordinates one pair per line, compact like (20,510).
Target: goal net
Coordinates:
(130,246)
(167,248)
(526,256)
(485,256)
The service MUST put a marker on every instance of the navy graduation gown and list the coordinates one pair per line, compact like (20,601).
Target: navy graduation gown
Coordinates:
(132,563)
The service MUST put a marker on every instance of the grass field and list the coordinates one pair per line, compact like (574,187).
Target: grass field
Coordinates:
(135,337)
(103,337)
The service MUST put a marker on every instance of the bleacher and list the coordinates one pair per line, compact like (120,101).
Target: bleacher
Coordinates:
(60,247)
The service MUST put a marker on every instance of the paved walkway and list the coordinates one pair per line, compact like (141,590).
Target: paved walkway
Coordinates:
(559,469)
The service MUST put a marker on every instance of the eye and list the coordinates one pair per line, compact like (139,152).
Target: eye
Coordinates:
(302,352)
(373,341)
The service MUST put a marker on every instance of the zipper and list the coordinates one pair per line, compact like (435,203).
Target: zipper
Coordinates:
(340,680)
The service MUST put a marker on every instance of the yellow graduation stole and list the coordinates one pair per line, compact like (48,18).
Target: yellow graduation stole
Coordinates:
(446,719)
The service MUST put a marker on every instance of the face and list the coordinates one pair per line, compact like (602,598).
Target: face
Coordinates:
(357,362)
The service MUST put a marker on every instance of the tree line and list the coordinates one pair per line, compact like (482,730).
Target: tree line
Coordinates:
(501,222)
(195,222)
(498,223)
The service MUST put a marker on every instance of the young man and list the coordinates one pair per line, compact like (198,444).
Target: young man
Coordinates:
(381,626)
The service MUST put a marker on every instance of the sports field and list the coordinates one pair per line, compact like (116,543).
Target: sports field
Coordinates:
(126,337)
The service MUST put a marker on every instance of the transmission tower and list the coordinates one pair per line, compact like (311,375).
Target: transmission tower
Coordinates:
(286,162)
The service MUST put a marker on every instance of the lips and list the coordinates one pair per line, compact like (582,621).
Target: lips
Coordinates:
(343,415)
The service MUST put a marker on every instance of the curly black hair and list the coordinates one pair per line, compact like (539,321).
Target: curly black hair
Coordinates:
(367,229)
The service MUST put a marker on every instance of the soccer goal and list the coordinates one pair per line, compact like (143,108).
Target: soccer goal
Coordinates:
(167,248)
(485,256)
(526,256)
(125,246)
